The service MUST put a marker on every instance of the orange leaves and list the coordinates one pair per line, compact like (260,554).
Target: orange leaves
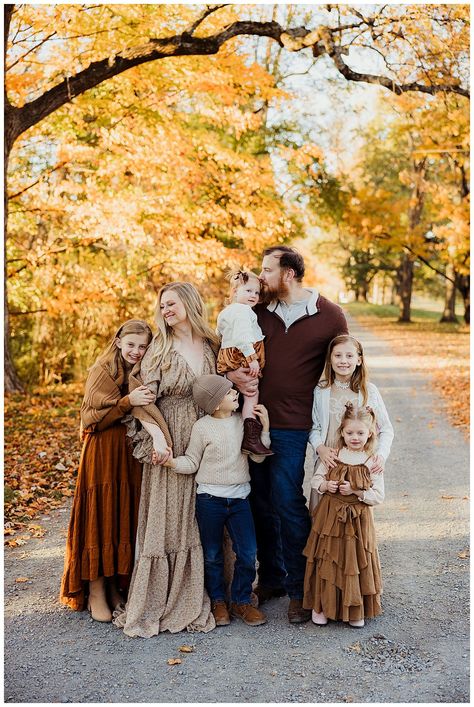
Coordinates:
(40,433)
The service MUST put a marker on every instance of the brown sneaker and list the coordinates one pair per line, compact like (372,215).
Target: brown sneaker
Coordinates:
(296,613)
(220,613)
(248,613)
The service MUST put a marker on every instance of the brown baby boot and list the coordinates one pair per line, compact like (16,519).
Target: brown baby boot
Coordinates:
(251,443)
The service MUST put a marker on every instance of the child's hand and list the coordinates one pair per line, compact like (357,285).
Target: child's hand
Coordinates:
(160,456)
(262,413)
(332,486)
(254,368)
(378,464)
(170,462)
(141,396)
(328,455)
(346,489)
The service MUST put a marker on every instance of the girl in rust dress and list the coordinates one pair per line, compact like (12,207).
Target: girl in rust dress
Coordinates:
(343,576)
(100,543)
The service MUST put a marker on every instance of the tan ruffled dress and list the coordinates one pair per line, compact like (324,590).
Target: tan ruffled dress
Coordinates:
(343,575)
(167,588)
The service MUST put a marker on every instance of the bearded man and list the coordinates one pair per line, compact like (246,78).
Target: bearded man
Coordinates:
(298,324)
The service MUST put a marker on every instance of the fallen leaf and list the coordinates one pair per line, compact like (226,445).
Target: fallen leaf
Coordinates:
(9,531)
(463,554)
(349,698)
(174,661)
(465,498)
(20,580)
(447,498)
(60,467)
(355,647)
(185,649)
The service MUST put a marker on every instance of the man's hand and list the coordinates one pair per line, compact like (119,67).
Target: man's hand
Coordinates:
(243,381)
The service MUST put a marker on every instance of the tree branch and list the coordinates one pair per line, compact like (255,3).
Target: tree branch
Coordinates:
(426,262)
(293,39)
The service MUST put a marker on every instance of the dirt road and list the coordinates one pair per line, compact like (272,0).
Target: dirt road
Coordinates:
(417,651)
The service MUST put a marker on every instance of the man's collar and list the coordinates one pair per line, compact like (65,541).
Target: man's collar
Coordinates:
(311,306)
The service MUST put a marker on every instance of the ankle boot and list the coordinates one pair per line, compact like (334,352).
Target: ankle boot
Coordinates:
(251,443)
(97,605)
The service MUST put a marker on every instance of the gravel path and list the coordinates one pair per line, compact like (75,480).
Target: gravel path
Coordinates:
(417,651)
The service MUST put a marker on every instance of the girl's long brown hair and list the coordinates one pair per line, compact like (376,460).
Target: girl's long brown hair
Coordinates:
(110,357)
(364,414)
(359,379)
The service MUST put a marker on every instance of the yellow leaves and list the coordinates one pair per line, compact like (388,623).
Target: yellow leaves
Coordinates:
(21,580)
(186,649)
(174,661)
(464,554)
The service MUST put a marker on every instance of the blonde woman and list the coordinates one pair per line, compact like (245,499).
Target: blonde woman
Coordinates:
(167,587)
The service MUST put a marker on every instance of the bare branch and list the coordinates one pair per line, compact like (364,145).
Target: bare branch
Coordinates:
(40,179)
(208,11)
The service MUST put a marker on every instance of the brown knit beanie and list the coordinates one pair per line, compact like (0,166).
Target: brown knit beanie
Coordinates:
(209,391)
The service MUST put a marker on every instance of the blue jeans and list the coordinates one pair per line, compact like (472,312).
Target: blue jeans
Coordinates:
(282,522)
(213,513)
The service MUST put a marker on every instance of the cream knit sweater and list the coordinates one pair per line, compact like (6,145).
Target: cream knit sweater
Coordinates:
(214,452)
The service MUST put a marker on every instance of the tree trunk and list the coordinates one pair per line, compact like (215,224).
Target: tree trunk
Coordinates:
(449,312)
(362,290)
(12,383)
(405,287)
(463,284)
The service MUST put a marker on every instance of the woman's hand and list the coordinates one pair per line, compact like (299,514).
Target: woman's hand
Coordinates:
(328,456)
(254,368)
(262,413)
(141,396)
(378,464)
(162,457)
(243,381)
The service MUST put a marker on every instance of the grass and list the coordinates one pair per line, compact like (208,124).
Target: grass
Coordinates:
(441,350)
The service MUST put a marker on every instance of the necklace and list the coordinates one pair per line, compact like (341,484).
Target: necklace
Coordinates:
(340,384)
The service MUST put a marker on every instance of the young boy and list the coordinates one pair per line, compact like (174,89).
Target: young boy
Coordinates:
(221,498)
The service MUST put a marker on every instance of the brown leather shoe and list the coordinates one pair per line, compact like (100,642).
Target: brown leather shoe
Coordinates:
(296,613)
(266,593)
(248,613)
(220,613)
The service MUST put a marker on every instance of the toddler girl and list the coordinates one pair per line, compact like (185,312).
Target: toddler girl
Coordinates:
(242,345)
(344,379)
(343,576)
(223,485)
(101,535)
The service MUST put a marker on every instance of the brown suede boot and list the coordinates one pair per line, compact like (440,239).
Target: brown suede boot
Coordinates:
(248,613)
(251,443)
(220,613)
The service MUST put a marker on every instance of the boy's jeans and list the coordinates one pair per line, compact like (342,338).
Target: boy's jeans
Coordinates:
(213,513)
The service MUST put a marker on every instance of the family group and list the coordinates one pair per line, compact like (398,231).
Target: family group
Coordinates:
(180,497)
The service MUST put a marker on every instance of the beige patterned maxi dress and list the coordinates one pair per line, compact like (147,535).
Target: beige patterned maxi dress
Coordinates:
(167,587)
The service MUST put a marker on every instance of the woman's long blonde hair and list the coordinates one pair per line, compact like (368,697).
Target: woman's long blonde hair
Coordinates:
(110,357)
(364,414)
(359,379)
(195,312)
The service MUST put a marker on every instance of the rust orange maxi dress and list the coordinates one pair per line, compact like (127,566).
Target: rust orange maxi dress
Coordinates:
(102,528)
(343,574)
